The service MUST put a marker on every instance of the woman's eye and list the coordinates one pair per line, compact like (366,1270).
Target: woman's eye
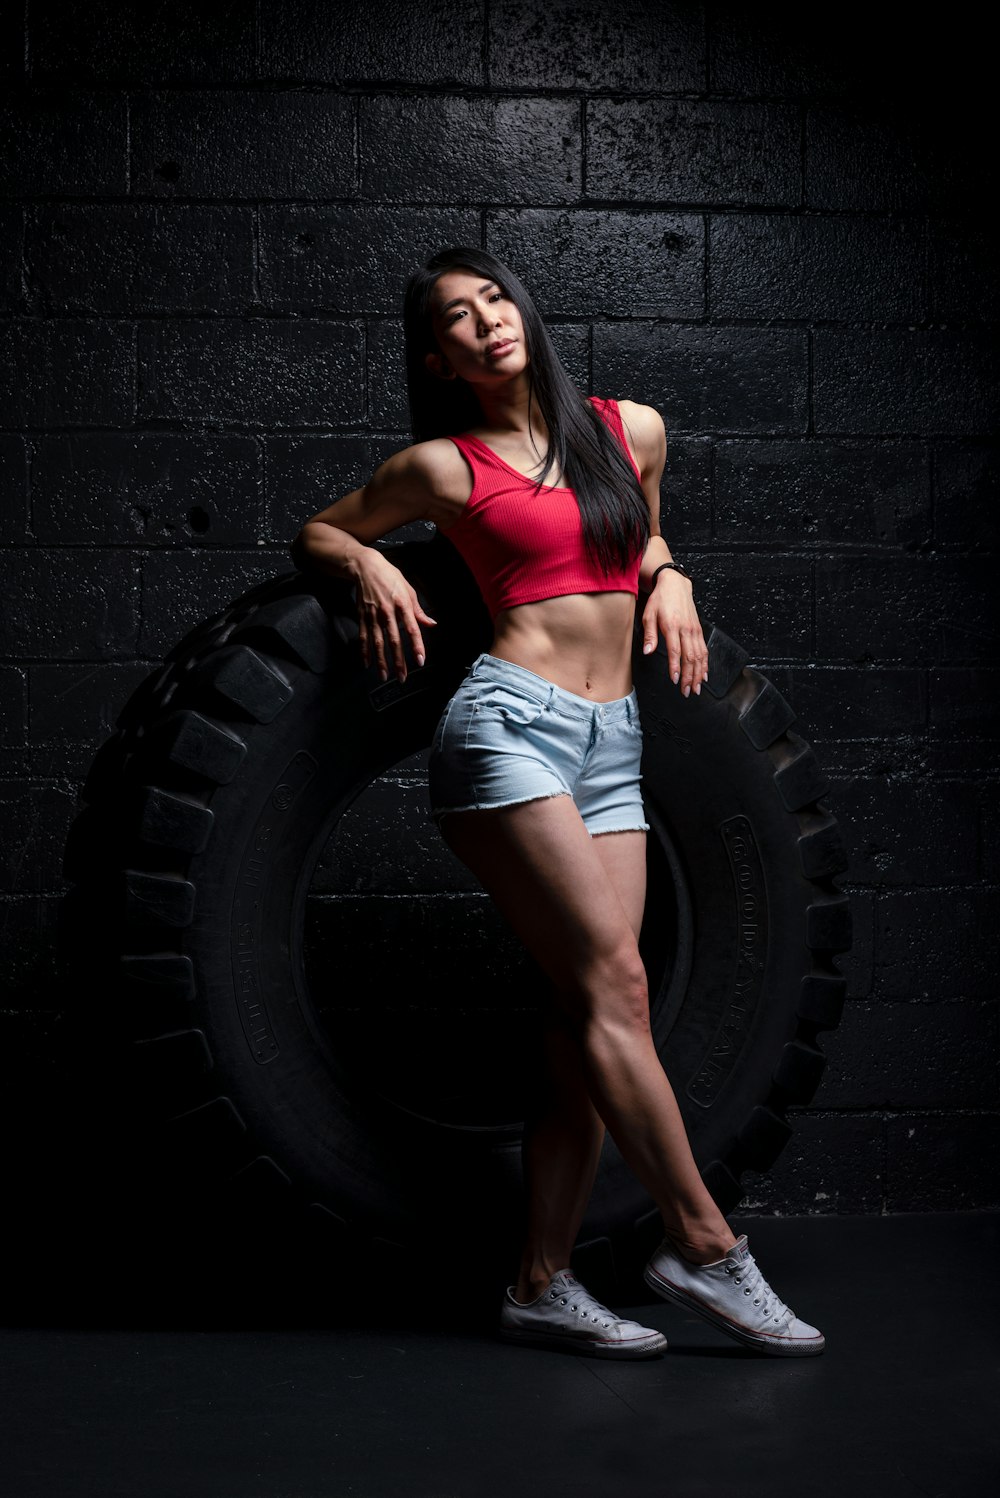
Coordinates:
(491,298)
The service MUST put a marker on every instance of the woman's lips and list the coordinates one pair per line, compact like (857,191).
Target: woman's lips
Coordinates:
(498,351)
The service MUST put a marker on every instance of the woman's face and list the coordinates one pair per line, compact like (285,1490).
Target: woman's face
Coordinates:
(470,316)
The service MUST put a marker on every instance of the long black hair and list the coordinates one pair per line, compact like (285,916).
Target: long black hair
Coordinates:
(613,506)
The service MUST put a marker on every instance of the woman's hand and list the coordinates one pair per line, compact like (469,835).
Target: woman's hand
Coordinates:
(387,603)
(670,612)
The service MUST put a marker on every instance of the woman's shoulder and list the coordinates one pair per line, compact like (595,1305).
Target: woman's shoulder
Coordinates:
(641,418)
(436,465)
(645,427)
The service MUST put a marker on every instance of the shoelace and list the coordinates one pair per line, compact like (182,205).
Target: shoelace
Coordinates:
(760,1291)
(588,1307)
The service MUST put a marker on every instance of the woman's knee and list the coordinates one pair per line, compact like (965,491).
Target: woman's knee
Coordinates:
(611,991)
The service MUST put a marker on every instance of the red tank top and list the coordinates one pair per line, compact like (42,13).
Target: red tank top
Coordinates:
(521,546)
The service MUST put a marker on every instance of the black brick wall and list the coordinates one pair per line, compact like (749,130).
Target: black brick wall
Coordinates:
(773,234)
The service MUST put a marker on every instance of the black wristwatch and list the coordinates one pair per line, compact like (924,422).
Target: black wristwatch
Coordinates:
(676,566)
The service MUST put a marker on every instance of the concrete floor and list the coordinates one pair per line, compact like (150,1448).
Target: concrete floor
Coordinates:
(902,1403)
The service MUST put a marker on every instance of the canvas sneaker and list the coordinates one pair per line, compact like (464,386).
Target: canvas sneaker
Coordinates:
(567,1317)
(734,1296)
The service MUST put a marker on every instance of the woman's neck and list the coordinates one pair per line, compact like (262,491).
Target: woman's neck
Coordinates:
(505,409)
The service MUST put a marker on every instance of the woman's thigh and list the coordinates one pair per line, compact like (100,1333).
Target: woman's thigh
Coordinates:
(573,899)
(623,855)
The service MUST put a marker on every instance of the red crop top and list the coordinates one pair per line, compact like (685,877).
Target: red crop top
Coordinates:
(521,546)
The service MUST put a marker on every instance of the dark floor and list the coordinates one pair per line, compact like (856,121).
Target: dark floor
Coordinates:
(902,1403)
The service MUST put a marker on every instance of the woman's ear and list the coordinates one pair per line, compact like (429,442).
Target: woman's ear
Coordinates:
(438,365)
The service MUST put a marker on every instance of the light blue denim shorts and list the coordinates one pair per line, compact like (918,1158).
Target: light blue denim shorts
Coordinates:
(509,735)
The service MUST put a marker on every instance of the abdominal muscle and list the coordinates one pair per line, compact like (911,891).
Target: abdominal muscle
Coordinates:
(580,641)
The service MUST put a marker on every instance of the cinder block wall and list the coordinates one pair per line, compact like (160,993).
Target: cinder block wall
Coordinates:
(775,237)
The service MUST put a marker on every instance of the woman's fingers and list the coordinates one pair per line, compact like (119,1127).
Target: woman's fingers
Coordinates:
(650,628)
(690,661)
(672,635)
(694,655)
(377,639)
(394,649)
(413,618)
(687,653)
(385,620)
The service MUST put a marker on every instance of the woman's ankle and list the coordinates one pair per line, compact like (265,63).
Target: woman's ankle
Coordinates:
(702,1245)
(535,1276)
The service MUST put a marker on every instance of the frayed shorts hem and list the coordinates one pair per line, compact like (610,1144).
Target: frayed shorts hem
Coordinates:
(442,811)
(631,827)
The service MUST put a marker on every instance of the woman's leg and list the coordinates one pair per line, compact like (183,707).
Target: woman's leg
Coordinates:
(560,1153)
(563,897)
(563,1138)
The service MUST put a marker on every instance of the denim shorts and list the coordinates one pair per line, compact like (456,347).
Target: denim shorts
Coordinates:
(509,735)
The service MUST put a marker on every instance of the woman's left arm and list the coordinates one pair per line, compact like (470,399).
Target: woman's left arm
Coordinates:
(669,609)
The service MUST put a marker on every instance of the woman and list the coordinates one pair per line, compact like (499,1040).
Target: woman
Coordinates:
(534,766)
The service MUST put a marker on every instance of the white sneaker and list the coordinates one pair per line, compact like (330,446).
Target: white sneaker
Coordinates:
(567,1317)
(734,1296)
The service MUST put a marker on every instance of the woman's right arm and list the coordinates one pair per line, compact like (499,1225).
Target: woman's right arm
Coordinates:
(336,542)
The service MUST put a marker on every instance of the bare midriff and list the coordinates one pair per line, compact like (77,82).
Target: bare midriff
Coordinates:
(581,641)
